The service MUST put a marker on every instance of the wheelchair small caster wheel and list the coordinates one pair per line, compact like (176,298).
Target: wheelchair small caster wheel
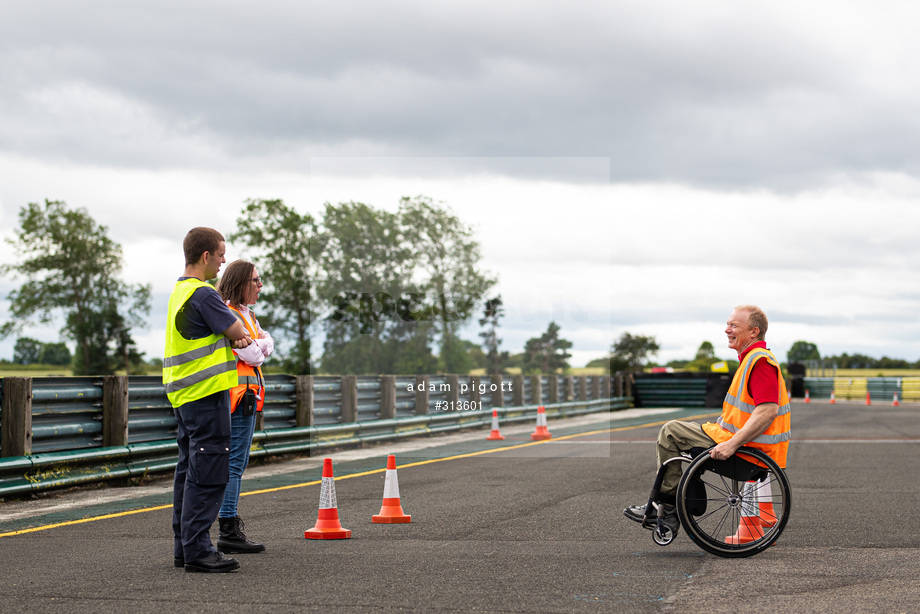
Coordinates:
(663,536)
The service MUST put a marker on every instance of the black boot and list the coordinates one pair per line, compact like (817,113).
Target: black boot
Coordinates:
(233,540)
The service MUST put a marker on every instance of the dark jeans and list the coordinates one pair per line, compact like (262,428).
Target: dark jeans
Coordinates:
(202,472)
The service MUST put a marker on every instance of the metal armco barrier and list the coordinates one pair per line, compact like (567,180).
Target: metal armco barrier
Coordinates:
(59,432)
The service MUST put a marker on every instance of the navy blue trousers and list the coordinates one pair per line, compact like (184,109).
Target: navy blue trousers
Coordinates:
(202,472)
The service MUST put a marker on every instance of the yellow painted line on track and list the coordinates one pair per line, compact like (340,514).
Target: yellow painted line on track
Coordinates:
(350,475)
(82,520)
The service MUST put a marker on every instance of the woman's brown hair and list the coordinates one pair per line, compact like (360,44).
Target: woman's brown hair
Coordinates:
(234,283)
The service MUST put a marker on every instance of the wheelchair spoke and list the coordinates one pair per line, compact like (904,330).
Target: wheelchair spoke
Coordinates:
(726,522)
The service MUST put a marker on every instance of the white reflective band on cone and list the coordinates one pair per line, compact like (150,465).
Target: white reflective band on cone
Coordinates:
(391,485)
(327,494)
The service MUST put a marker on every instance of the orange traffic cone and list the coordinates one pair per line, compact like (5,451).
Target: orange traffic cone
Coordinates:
(895,402)
(868,399)
(765,504)
(495,435)
(541,432)
(807,397)
(833,399)
(327,521)
(749,528)
(391,511)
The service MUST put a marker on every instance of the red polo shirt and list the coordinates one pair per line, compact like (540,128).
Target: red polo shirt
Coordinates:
(763,384)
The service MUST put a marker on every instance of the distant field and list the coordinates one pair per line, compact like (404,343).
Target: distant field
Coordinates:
(588,371)
(46,372)
(864,373)
(572,371)
(5,371)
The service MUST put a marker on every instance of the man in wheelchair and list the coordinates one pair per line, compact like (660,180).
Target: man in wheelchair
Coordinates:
(755,413)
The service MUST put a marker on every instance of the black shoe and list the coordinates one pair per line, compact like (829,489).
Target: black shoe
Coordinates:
(213,563)
(637,513)
(179,561)
(233,540)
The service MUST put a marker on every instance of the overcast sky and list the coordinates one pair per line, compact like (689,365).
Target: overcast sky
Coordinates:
(627,166)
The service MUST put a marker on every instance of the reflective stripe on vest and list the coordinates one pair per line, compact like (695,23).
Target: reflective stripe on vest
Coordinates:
(194,368)
(248,376)
(739,405)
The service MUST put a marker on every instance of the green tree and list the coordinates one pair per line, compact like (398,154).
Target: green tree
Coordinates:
(492,314)
(55,354)
(547,353)
(446,258)
(893,363)
(477,356)
(27,351)
(801,351)
(71,268)
(706,351)
(285,246)
(380,322)
(705,358)
(631,352)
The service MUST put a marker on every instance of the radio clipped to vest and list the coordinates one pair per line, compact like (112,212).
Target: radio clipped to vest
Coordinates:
(247,403)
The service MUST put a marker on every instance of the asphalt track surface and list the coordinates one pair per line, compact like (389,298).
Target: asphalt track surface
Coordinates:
(506,526)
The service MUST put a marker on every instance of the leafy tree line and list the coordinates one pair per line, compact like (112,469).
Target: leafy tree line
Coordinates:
(634,352)
(390,291)
(29,351)
(802,351)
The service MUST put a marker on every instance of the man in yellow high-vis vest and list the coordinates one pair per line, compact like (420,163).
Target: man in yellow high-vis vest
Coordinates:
(755,413)
(199,369)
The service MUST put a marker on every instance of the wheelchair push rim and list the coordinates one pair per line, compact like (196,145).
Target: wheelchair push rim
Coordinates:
(746,504)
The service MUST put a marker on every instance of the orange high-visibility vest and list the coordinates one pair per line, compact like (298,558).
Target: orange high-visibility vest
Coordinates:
(250,377)
(739,405)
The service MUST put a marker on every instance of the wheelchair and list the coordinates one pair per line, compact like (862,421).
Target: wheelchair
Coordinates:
(731,508)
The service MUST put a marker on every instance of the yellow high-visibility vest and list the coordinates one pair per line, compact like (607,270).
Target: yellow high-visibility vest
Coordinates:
(194,368)
(739,405)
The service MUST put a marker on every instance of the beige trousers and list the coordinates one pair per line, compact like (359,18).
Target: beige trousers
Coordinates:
(673,438)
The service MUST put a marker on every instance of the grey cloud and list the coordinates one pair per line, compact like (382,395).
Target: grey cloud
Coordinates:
(705,97)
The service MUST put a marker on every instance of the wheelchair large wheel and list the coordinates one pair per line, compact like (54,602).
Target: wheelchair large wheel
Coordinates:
(735,507)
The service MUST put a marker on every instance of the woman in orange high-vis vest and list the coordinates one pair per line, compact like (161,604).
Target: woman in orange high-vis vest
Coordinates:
(755,412)
(240,287)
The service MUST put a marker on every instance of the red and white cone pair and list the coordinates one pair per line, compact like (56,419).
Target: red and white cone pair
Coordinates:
(328,525)
(540,433)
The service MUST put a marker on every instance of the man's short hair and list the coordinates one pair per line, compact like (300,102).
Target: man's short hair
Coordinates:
(756,318)
(198,241)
